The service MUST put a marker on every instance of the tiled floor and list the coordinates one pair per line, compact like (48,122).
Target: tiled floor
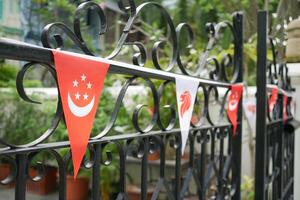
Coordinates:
(8,194)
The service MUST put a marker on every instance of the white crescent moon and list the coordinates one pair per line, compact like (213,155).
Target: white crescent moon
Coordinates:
(233,104)
(80,111)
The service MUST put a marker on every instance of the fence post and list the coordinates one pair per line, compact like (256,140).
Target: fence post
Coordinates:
(261,106)
(20,191)
(238,63)
(96,172)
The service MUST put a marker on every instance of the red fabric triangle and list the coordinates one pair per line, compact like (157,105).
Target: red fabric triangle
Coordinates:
(233,104)
(273,99)
(285,101)
(80,82)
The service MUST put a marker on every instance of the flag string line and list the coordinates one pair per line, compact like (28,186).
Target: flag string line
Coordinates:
(11,49)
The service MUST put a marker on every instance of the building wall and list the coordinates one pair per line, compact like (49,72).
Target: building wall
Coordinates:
(10,23)
(294,71)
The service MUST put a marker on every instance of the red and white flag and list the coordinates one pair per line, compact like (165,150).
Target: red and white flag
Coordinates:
(273,99)
(80,82)
(186,90)
(233,104)
(284,111)
(249,104)
(293,105)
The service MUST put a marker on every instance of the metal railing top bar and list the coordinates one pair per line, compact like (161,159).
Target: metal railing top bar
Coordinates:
(16,50)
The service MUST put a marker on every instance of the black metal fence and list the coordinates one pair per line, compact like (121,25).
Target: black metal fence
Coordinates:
(274,177)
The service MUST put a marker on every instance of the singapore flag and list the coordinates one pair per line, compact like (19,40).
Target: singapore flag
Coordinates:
(186,90)
(80,82)
(233,104)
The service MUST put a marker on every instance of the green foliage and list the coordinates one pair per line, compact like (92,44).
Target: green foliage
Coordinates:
(247,188)
(56,10)
(22,122)
(8,74)
(62,11)
(82,172)
(110,174)
(107,104)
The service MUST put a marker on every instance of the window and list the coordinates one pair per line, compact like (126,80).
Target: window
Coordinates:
(1,9)
(11,6)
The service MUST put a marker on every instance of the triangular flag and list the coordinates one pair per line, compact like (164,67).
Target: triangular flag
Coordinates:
(186,89)
(233,104)
(293,105)
(273,99)
(284,111)
(249,105)
(80,82)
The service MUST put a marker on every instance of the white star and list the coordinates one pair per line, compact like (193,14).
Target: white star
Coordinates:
(85,96)
(75,83)
(89,85)
(83,77)
(77,95)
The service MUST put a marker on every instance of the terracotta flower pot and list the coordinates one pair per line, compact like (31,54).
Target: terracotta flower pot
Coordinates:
(46,185)
(77,189)
(4,173)
(154,156)
(134,193)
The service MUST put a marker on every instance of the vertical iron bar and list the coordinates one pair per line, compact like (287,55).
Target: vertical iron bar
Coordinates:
(261,107)
(177,173)
(144,177)
(238,63)
(202,167)
(292,162)
(280,135)
(96,173)
(291,176)
(62,182)
(20,191)
(122,170)
(221,165)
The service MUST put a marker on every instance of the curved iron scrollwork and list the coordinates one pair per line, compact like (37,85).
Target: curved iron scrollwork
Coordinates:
(280,142)
(278,75)
(205,166)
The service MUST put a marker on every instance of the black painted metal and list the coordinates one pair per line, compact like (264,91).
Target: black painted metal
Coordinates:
(237,141)
(214,164)
(274,170)
(260,163)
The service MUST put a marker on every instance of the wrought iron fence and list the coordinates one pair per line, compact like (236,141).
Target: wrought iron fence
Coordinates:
(274,177)
(214,161)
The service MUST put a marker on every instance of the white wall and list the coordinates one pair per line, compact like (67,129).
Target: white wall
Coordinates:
(294,71)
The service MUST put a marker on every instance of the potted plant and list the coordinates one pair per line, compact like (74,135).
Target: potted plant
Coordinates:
(48,182)
(5,170)
(76,188)
(134,192)
(18,128)
(109,181)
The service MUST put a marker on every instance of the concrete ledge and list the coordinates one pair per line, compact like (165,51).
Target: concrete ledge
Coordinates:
(294,69)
